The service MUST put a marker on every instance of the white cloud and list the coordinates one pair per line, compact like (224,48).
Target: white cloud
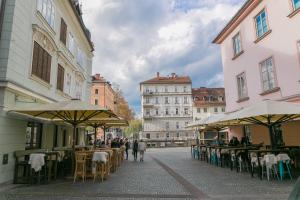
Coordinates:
(134,39)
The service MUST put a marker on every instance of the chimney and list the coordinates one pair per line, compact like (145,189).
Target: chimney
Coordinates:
(97,76)
(157,74)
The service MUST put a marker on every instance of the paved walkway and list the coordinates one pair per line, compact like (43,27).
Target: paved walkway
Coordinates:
(165,174)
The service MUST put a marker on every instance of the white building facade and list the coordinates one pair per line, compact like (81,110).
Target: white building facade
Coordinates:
(46,56)
(167,107)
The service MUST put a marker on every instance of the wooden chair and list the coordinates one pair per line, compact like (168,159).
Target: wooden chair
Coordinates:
(80,168)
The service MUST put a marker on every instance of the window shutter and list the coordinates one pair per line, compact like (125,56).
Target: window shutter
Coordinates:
(35,58)
(48,69)
(60,78)
(40,62)
(63,32)
(45,66)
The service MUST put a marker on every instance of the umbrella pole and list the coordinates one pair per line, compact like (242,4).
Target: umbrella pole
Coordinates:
(104,135)
(271,136)
(95,136)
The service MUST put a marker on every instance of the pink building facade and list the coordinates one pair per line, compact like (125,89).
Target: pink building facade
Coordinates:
(261,59)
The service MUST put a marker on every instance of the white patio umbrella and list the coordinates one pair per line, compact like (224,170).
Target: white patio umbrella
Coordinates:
(267,113)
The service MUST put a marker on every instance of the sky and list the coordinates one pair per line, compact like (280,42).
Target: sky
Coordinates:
(134,39)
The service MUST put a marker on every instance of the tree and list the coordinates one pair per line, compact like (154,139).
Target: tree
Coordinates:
(135,126)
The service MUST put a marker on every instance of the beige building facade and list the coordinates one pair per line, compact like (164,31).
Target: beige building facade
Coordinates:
(46,56)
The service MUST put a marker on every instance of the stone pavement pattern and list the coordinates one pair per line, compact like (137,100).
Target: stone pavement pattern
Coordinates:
(165,174)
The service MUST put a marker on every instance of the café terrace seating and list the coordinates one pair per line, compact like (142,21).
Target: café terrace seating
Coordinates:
(279,163)
(57,163)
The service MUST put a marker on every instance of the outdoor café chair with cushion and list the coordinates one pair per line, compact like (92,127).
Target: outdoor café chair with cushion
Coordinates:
(270,164)
(80,167)
(284,159)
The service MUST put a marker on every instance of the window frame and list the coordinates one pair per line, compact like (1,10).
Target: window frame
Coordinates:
(274,74)
(246,88)
(256,25)
(234,44)
(36,133)
(60,81)
(40,8)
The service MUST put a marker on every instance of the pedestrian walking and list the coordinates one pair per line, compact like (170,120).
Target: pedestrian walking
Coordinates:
(127,146)
(142,149)
(135,148)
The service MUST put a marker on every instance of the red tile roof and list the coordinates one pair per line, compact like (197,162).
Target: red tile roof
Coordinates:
(208,96)
(173,79)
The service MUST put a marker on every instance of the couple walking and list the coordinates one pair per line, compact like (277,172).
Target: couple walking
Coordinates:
(141,147)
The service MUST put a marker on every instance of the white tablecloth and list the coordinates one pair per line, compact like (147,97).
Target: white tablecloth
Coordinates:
(98,157)
(282,157)
(37,160)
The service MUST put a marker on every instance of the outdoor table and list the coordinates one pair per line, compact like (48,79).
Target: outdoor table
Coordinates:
(246,149)
(258,155)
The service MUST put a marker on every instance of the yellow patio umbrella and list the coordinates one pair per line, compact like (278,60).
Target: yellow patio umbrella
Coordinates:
(267,113)
(74,112)
(106,123)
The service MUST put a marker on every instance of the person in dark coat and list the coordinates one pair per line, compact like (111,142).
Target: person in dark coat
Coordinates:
(127,146)
(135,149)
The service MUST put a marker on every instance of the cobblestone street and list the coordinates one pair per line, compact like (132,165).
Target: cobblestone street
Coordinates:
(165,174)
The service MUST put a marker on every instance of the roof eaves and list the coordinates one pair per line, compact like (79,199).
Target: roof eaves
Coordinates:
(234,19)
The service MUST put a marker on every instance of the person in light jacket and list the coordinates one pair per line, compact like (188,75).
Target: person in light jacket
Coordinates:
(142,149)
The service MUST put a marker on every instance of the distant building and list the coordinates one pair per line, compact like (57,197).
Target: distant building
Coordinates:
(207,102)
(102,93)
(261,60)
(167,107)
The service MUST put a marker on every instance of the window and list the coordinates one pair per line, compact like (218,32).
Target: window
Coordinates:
(176,111)
(96,91)
(215,109)
(46,8)
(166,100)
(147,90)
(147,112)
(176,100)
(178,134)
(96,101)
(41,63)
(60,78)
(242,88)
(166,88)
(205,110)
(156,100)
(167,125)
(267,75)
(156,111)
(78,89)
(261,24)
(68,84)
(185,100)
(34,135)
(223,109)
(63,31)
(71,44)
(296,4)
(157,135)
(148,135)
(167,111)
(167,135)
(80,57)
(186,111)
(198,110)
(175,89)
(184,89)
(237,46)
(147,100)
(177,125)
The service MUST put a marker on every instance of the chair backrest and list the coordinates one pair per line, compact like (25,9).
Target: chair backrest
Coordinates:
(80,157)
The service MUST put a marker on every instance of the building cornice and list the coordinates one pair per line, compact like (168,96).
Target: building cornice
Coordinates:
(242,13)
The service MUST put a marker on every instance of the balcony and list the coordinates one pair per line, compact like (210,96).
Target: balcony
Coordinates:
(147,116)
